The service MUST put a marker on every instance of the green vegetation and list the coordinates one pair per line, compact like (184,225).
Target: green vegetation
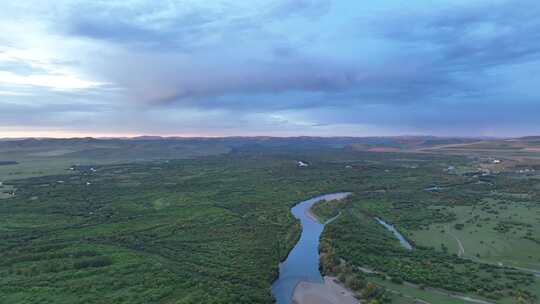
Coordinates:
(423,216)
(43,157)
(212,229)
(361,241)
(496,231)
(178,232)
(326,210)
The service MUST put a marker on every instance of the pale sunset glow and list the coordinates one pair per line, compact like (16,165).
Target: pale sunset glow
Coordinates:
(55,82)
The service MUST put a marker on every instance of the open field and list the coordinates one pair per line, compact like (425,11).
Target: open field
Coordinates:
(41,157)
(526,148)
(500,232)
(407,294)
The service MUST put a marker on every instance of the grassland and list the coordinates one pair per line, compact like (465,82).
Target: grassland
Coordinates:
(495,231)
(42,157)
(212,227)
(494,217)
(402,293)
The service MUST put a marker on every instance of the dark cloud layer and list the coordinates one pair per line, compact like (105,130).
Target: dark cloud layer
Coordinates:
(472,37)
(461,67)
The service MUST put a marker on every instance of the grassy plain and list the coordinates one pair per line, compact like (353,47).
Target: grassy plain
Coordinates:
(402,293)
(41,157)
(499,238)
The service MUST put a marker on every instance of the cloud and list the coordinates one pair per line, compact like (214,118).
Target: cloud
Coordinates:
(153,25)
(302,66)
(307,8)
(471,36)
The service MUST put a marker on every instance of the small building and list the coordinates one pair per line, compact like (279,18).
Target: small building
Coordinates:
(302,164)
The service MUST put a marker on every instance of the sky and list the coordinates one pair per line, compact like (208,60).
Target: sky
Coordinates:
(278,68)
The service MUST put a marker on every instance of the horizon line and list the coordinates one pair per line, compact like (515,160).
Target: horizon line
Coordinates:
(131,137)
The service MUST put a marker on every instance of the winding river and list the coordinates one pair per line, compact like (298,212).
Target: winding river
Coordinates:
(302,263)
(402,240)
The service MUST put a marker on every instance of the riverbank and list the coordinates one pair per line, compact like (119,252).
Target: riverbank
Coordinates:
(329,292)
(302,263)
(309,213)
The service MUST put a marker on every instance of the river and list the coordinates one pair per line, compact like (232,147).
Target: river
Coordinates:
(302,263)
(402,240)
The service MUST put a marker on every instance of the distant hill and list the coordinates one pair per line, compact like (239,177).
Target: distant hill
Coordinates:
(410,143)
(46,156)
(156,147)
(108,149)
(513,148)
